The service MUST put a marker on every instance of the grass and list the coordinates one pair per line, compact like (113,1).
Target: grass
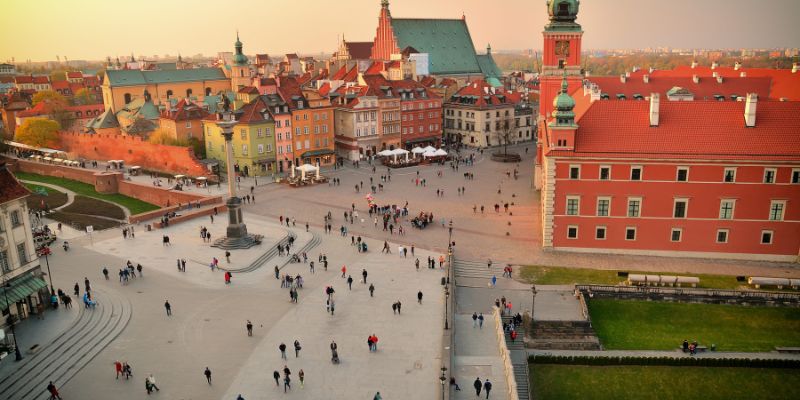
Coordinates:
(556,382)
(543,275)
(91,206)
(135,206)
(53,199)
(642,325)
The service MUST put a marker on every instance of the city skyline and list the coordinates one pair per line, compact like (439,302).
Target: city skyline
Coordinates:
(685,24)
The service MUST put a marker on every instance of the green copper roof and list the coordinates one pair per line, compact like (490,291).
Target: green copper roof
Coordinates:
(20,288)
(105,120)
(494,82)
(135,77)
(447,42)
(488,66)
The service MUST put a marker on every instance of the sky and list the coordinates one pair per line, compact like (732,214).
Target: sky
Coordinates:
(93,29)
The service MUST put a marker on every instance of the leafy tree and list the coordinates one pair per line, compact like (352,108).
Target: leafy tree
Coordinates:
(198,147)
(38,132)
(162,136)
(58,75)
(50,96)
(83,96)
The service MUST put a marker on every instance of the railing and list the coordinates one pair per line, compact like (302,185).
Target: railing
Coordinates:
(511,381)
(449,339)
(743,294)
(584,306)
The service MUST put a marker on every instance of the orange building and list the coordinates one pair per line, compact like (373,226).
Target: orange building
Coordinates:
(184,120)
(312,120)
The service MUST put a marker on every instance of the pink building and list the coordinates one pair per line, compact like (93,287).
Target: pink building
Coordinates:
(279,109)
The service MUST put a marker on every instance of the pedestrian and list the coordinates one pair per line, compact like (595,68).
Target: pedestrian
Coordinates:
(394,308)
(183,264)
(350,281)
(494,280)
(377,396)
(51,387)
(118,368)
(480,321)
(228,256)
(297,348)
(152,380)
(168,307)
(416,264)
(344,270)
(474,319)
(287,383)
(478,386)
(399,304)
(419,297)
(105,272)
(487,387)
(207,373)
(302,376)
(364,274)
(371,290)
(249,328)
(282,348)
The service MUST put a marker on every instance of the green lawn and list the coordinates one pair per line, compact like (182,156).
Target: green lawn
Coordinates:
(135,206)
(565,276)
(556,382)
(643,325)
(53,199)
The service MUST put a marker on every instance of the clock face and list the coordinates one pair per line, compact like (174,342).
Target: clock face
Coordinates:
(562,48)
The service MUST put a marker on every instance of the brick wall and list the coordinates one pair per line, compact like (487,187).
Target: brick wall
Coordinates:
(76,174)
(135,151)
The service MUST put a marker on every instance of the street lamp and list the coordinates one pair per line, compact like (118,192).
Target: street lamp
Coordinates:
(45,253)
(446,302)
(443,379)
(11,321)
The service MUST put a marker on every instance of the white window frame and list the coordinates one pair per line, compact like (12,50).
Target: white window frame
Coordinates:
(725,174)
(628,210)
(678,173)
(245,150)
(578,167)
(600,173)
(260,148)
(641,172)
(608,208)
(577,209)
(721,209)
(576,231)
(795,174)
(783,210)
(727,233)
(771,236)
(597,230)
(635,233)
(774,174)
(685,208)
(672,233)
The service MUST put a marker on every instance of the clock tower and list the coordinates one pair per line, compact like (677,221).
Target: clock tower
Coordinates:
(562,52)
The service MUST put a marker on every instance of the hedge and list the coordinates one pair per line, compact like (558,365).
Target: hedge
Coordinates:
(668,361)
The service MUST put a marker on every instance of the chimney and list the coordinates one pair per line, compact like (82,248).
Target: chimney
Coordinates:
(486,90)
(646,78)
(627,74)
(715,74)
(622,78)
(743,74)
(795,67)
(719,78)
(651,70)
(694,64)
(695,78)
(714,65)
(654,106)
(750,110)
(737,66)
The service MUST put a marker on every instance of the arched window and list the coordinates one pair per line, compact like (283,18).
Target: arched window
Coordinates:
(169,93)
(241,72)
(127,98)
(208,91)
(188,92)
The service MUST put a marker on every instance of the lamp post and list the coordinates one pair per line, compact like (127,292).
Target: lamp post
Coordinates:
(46,252)
(446,302)
(11,321)
(443,379)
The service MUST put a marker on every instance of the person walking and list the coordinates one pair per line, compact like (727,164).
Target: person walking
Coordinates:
(277,376)
(419,297)
(364,274)
(51,388)
(118,368)
(287,383)
(344,270)
(474,319)
(152,380)
(371,290)
(282,348)
(478,386)
(377,396)
(480,321)
(249,328)
(297,349)
(207,373)
(302,376)
(168,307)
(350,281)
(487,387)
(105,272)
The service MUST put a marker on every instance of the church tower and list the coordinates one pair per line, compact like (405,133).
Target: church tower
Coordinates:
(240,70)
(562,52)
(385,44)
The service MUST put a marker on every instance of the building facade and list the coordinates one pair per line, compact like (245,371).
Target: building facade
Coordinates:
(480,115)
(356,122)
(420,114)
(312,123)
(123,86)
(184,121)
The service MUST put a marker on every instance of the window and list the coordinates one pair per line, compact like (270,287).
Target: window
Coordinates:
(600,233)
(722,236)
(15,220)
(269,147)
(636,173)
(243,132)
(603,205)
(5,265)
(676,234)
(244,149)
(679,209)
(634,207)
(316,129)
(769,175)
(776,210)
(298,145)
(22,253)
(574,172)
(573,205)
(630,233)
(605,173)
(188,124)
(288,148)
(259,133)
(729,175)
(726,209)
(795,176)
(305,130)
(683,174)
(188,92)
(260,149)
(766,237)
(307,144)
(280,136)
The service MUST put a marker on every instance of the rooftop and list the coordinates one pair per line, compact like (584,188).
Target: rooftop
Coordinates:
(10,188)
(136,77)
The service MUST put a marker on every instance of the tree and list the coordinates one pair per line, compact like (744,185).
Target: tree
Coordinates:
(508,126)
(38,132)
(83,96)
(55,98)
(165,137)
(58,75)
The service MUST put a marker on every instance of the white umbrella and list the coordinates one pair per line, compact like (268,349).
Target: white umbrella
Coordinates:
(305,168)
(429,149)
(417,150)
(429,154)
(385,153)
(440,152)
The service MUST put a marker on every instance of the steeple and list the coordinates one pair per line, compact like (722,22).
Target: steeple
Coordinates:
(385,3)
(239,58)
(563,106)
(489,48)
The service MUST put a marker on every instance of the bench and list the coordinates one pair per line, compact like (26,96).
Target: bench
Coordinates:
(790,350)
(699,349)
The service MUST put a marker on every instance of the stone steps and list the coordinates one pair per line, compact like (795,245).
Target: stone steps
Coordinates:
(563,335)
(477,269)
(519,359)
(72,350)
(261,260)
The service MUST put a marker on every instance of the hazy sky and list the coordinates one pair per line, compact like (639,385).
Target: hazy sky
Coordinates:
(92,29)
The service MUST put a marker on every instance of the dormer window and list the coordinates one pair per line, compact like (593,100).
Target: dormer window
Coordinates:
(563,9)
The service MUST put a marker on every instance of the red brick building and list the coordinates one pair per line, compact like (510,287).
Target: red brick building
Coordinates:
(421,114)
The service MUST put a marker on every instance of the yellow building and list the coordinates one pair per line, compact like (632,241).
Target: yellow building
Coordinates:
(120,87)
(253,140)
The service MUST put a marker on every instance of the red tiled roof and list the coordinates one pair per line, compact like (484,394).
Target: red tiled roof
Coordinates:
(428,81)
(393,64)
(41,79)
(324,89)
(185,110)
(305,78)
(688,130)
(10,188)
(23,79)
(74,74)
(481,90)
(359,50)
(705,89)
(46,108)
(340,74)
(60,85)
(254,112)
(351,75)
(267,82)
(248,90)
(375,68)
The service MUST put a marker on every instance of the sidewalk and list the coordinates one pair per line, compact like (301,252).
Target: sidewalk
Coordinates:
(477,356)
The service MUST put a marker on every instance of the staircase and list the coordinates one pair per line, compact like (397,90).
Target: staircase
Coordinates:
(519,360)
(563,335)
(477,269)
(61,359)
(262,259)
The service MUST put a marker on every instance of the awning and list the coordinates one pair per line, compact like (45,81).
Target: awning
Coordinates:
(21,288)
(314,153)
(423,139)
